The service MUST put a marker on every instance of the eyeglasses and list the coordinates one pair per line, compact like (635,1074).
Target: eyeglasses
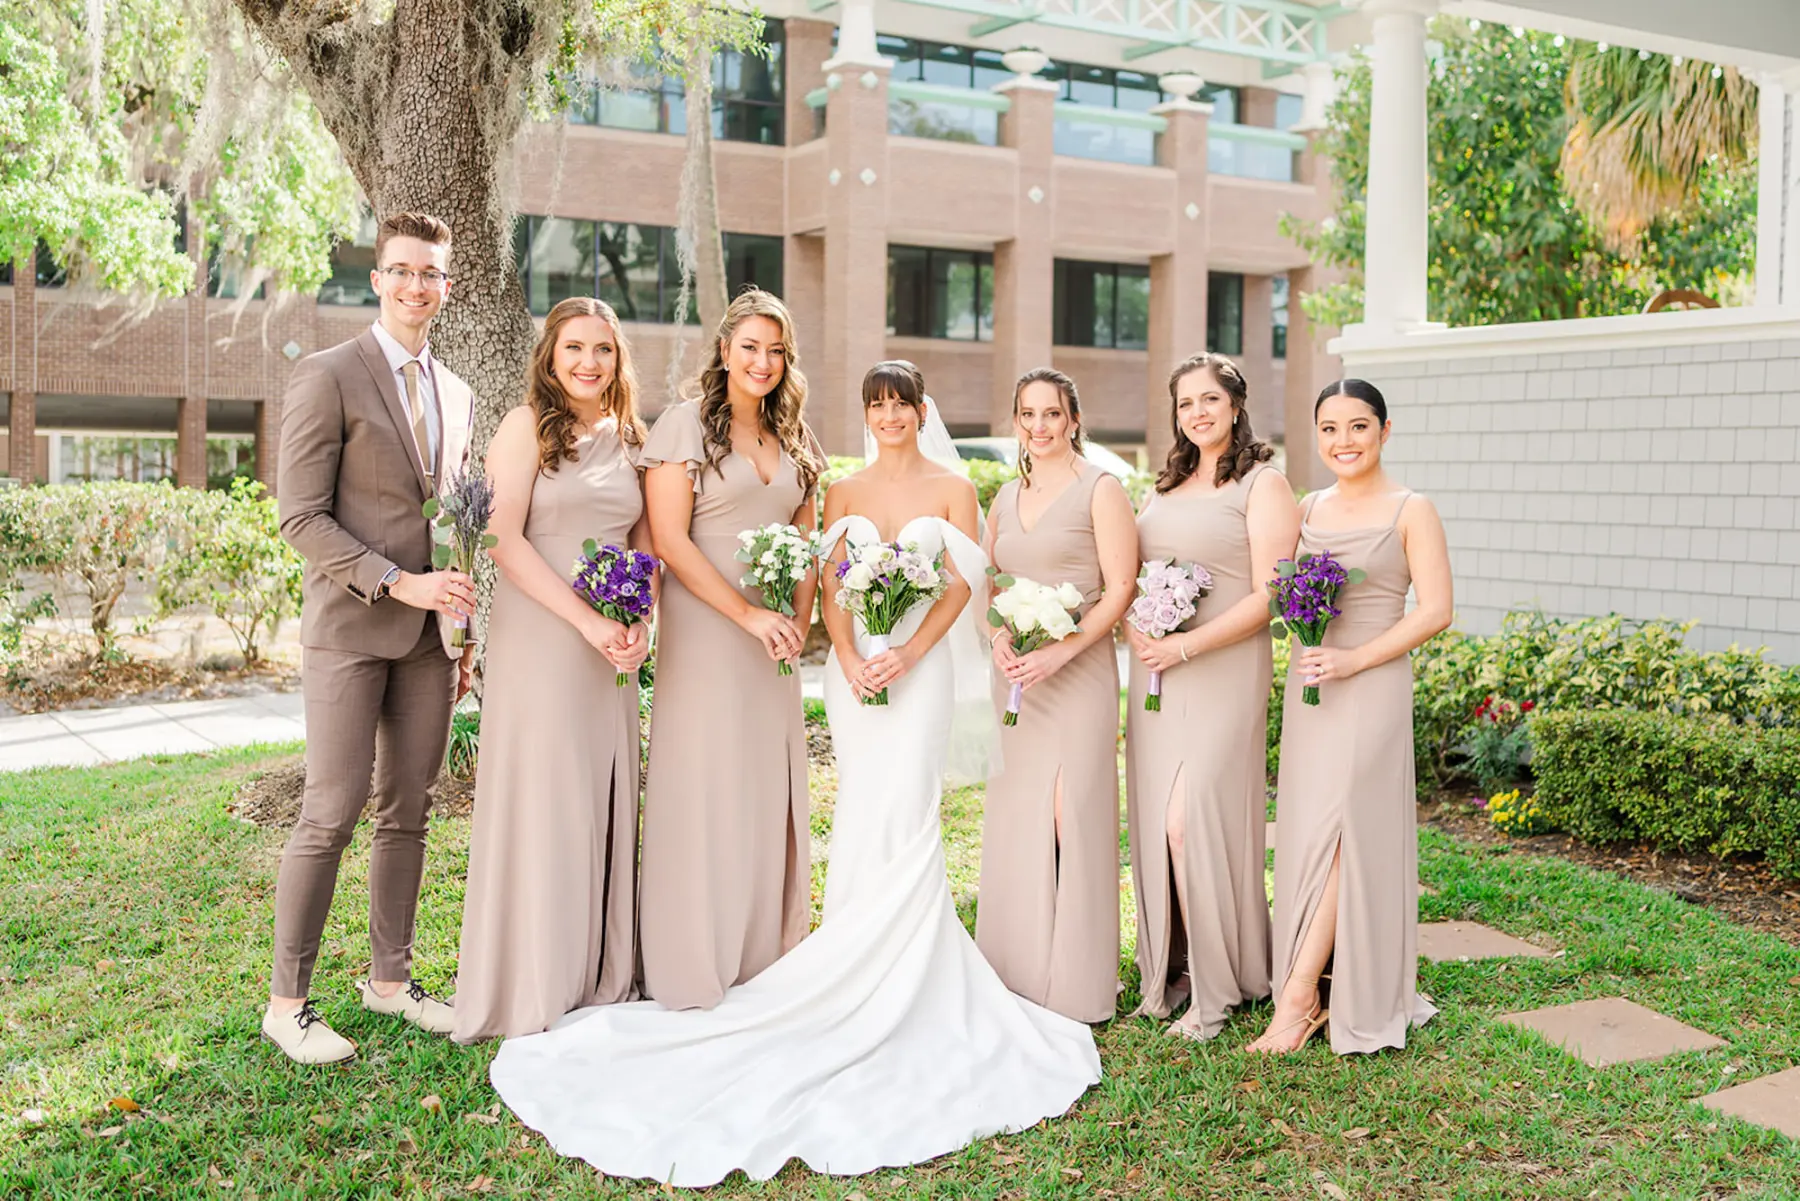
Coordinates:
(404,276)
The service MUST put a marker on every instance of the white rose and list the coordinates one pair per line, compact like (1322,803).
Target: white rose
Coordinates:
(859,577)
(1068,595)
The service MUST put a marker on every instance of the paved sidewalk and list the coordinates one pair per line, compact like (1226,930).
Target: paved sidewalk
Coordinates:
(83,737)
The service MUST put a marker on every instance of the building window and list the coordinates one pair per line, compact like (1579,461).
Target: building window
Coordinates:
(1225,312)
(1101,304)
(949,66)
(940,293)
(49,273)
(747,100)
(634,268)
(351,263)
(1288,109)
(1278,297)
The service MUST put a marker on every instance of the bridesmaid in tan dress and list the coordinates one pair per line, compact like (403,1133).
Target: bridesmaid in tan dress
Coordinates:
(1346,843)
(1195,771)
(726,865)
(548,923)
(1048,915)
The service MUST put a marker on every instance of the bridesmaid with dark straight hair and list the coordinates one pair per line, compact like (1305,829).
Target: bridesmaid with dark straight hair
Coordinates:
(727,880)
(1346,837)
(1048,918)
(1196,770)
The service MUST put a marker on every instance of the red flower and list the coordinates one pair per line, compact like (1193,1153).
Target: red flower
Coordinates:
(1527,707)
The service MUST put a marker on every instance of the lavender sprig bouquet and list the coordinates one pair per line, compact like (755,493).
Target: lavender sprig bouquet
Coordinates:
(1302,597)
(459,517)
(1171,595)
(779,556)
(881,582)
(615,582)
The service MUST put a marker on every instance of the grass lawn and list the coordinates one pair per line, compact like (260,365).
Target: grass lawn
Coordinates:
(135,951)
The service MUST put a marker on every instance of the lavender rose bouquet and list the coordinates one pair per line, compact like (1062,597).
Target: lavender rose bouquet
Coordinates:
(615,581)
(1302,597)
(459,517)
(1171,595)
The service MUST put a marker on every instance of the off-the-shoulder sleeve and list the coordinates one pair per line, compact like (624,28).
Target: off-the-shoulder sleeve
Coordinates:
(677,437)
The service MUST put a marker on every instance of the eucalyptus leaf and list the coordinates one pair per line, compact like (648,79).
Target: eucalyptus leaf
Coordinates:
(1279,631)
(1285,569)
(440,557)
(590,548)
(1356,576)
(431,507)
(490,541)
(1274,608)
(994,618)
(1002,580)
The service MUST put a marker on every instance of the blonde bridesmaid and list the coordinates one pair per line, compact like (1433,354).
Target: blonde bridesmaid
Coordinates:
(1195,771)
(548,921)
(1346,845)
(726,874)
(1048,916)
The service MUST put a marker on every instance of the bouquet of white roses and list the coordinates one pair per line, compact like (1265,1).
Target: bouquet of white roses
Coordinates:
(879,583)
(779,556)
(1034,615)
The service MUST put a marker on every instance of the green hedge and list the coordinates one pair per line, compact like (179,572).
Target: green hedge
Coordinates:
(1688,783)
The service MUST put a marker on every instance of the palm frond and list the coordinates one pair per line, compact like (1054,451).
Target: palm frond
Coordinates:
(1641,129)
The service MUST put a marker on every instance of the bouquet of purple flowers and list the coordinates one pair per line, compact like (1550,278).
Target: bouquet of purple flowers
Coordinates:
(1171,595)
(1301,597)
(615,581)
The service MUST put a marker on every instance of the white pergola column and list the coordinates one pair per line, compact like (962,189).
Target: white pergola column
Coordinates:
(1321,90)
(856,36)
(1778,192)
(1395,252)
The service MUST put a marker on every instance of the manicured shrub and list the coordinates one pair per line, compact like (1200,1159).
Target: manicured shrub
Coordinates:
(93,541)
(1687,783)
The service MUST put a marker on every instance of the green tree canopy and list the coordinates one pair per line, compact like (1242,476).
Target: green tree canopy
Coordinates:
(1507,243)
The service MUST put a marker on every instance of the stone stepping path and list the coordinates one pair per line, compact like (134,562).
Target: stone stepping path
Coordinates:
(1772,1101)
(1612,1030)
(1460,942)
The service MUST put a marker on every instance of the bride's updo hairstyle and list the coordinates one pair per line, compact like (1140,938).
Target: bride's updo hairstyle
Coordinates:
(897,378)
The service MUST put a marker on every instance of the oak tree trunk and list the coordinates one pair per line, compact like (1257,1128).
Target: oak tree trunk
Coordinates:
(700,195)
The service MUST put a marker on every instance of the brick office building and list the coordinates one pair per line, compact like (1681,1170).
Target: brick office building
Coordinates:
(900,184)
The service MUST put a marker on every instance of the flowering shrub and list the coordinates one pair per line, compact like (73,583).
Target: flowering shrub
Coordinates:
(1514,815)
(1499,744)
(93,540)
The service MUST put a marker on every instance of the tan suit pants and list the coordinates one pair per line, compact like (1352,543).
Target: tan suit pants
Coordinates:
(366,717)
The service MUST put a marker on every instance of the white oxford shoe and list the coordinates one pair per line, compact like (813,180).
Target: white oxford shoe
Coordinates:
(304,1037)
(412,1003)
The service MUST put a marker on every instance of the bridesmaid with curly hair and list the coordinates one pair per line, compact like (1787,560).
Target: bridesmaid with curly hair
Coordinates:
(1195,770)
(548,922)
(726,869)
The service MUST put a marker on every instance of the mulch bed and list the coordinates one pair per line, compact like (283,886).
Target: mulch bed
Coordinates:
(271,797)
(82,682)
(1745,891)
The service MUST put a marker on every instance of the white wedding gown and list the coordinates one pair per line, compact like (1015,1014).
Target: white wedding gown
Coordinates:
(883,1039)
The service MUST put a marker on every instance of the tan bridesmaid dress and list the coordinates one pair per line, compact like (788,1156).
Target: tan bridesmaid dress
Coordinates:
(726,870)
(1209,738)
(548,913)
(1048,916)
(1346,785)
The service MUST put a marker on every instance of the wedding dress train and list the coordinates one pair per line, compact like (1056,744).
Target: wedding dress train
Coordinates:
(883,1039)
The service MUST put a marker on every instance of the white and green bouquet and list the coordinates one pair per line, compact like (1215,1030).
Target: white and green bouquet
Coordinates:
(778,558)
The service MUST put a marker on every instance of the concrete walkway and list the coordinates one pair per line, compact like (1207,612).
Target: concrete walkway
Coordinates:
(84,737)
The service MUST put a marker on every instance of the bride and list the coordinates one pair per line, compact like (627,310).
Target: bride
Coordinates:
(884,1038)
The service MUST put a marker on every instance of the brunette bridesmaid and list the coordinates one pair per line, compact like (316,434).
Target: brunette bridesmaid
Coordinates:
(1195,771)
(726,884)
(1048,916)
(548,922)
(1346,846)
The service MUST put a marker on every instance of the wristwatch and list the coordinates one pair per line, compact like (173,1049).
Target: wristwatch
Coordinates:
(387,582)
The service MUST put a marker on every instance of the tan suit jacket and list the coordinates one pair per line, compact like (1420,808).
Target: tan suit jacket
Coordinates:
(350,489)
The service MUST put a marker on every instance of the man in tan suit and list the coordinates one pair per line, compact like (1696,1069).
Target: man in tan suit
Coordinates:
(369,430)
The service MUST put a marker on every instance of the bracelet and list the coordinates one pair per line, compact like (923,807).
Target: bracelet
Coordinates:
(1182,646)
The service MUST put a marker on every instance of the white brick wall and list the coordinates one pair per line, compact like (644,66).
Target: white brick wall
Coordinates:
(1660,479)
